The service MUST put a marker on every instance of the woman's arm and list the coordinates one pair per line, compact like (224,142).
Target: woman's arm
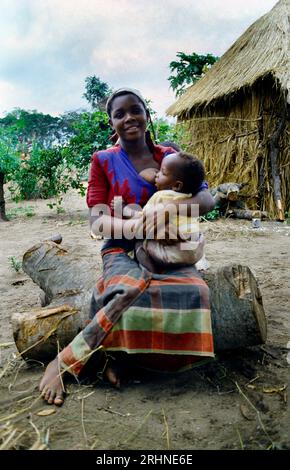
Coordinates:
(112,227)
(101,221)
(98,184)
(205,201)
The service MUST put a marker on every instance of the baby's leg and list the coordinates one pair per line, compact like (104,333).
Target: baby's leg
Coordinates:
(143,258)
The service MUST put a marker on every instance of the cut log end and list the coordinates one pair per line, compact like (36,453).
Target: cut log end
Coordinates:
(238,317)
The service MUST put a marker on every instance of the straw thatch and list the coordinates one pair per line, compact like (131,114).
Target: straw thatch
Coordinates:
(237,116)
(263,49)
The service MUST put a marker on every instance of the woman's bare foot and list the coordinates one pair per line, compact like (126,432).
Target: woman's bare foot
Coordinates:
(112,376)
(51,385)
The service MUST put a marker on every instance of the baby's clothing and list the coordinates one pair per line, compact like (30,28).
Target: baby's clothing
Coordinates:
(186,252)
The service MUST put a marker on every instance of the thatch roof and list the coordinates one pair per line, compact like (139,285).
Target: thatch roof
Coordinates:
(263,49)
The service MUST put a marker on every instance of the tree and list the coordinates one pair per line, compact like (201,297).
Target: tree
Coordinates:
(32,126)
(166,131)
(188,69)
(91,132)
(67,125)
(97,92)
(50,172)
(9,163)
(44,156)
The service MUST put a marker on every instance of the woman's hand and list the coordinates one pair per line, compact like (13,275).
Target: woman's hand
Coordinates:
(203,201)
(155,224)
(121,211)
(200,204)
(116,206)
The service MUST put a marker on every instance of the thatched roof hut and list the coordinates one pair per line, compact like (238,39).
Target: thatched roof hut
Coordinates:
(237,115)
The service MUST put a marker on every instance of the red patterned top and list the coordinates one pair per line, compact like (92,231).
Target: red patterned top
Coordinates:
(113,174)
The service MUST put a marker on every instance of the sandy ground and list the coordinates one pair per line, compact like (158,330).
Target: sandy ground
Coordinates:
(222,405)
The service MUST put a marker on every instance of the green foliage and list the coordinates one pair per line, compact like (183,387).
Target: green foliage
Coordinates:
(60,210)
(188,69)
(30,126)
(9,157)
(92,132)
(44,156)
(38,176)
(97,92)
(48,172)
(28,211)
(77,222)
(213,215)
(15,263)
(57,205)
(165,130)
(51,172)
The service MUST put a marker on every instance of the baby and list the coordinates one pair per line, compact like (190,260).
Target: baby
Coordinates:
(180,177)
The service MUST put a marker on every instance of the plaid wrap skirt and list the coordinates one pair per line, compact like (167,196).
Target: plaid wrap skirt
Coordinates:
(163,319)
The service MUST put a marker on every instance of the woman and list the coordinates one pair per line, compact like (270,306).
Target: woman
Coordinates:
(161,320)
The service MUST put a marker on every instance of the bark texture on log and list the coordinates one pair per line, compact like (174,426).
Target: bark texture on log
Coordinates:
(238,317)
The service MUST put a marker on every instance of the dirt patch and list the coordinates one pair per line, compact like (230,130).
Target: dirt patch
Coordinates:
(237,401)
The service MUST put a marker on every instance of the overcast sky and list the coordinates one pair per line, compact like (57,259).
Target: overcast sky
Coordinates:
(49,47)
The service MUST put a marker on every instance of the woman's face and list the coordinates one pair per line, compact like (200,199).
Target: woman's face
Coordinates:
(128,117)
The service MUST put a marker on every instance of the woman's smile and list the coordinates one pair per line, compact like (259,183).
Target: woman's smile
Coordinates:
(131,128)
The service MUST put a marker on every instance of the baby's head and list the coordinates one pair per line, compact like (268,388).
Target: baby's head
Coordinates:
(181,172)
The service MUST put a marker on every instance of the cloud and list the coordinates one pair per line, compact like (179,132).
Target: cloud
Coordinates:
(49,47)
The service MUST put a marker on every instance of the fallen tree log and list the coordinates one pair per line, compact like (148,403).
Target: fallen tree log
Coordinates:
(67,279)
(247,214)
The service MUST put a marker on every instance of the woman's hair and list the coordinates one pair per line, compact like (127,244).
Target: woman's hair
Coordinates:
(125,91)
(192,173)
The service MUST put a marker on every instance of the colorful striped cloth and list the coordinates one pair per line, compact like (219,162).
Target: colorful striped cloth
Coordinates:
(146,314)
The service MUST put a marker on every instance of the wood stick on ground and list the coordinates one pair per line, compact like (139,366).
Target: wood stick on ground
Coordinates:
(166,430)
